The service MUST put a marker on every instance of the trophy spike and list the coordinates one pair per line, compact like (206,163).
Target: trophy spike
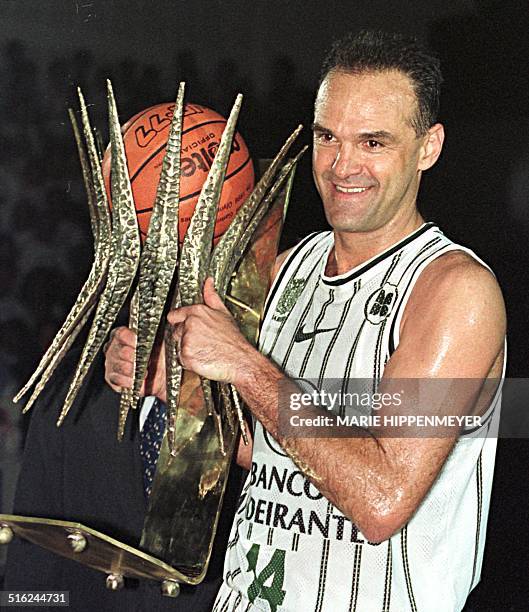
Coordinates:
(101,200)
(246,236)
(240,416)
(125,254)
(126,400)
(223,263)
(86,300)
(173,377)
(195,256)
(160,254)
(87,178)
(56,359)
(223,252)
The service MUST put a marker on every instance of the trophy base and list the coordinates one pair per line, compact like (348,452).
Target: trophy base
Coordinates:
(96,550)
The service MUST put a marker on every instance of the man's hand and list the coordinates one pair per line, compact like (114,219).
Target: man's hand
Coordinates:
(119,364)
(208,339)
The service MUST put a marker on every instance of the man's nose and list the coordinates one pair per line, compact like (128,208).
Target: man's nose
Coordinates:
(347,162)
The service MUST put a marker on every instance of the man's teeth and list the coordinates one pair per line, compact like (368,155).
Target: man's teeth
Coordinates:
(350,189)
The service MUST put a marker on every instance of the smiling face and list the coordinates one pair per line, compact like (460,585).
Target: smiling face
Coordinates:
(367,158)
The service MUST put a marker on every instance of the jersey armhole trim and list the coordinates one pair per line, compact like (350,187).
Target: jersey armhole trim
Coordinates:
(394,337)
(486,417)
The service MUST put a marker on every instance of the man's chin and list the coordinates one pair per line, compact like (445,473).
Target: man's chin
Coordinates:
(349,217)
(343,224)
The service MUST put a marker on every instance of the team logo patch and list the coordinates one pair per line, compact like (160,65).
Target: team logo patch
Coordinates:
(380,303)
(289,297)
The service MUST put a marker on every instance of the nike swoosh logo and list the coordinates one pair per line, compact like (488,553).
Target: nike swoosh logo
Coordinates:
(302,335)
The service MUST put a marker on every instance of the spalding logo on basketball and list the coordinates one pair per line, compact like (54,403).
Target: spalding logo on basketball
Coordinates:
(145,138)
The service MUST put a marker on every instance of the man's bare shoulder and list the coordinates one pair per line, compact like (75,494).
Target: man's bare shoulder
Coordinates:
(456,276)
(454,321)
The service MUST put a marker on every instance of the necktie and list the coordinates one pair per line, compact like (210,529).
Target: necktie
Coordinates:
(150,441)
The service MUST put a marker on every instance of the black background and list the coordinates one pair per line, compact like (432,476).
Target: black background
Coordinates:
(270,51)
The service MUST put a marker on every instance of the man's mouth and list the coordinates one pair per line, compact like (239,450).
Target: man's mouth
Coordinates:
(350,189)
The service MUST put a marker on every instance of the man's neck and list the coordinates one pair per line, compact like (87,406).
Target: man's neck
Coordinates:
(354,248)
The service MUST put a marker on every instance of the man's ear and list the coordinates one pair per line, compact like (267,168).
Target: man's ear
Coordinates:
(432,146)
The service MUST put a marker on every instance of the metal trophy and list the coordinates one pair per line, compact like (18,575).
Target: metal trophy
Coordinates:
(203,417)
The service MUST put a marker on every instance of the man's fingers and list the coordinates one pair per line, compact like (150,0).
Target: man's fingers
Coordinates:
(211,297)
(119,381)
(179,315)
(124,367)
(119,358)
(120,337)
(116,353)
(127,354)
(124,336)
(120,372)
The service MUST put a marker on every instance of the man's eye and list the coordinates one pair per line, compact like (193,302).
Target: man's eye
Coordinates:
(324,137)
(373,144)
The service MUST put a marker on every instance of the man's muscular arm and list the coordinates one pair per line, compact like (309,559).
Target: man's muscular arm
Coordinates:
(453,327)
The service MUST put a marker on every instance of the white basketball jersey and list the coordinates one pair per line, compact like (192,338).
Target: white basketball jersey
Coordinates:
(290,549)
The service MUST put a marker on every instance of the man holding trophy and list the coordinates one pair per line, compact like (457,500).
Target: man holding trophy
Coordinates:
(363,522)
(370,520)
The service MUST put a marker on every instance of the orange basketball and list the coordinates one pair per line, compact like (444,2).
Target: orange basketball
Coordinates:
(145,138)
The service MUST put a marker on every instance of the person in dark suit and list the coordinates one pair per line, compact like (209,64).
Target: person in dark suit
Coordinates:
(80,472)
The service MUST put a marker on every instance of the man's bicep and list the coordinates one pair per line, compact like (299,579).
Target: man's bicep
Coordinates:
(453,325)
(451,340)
